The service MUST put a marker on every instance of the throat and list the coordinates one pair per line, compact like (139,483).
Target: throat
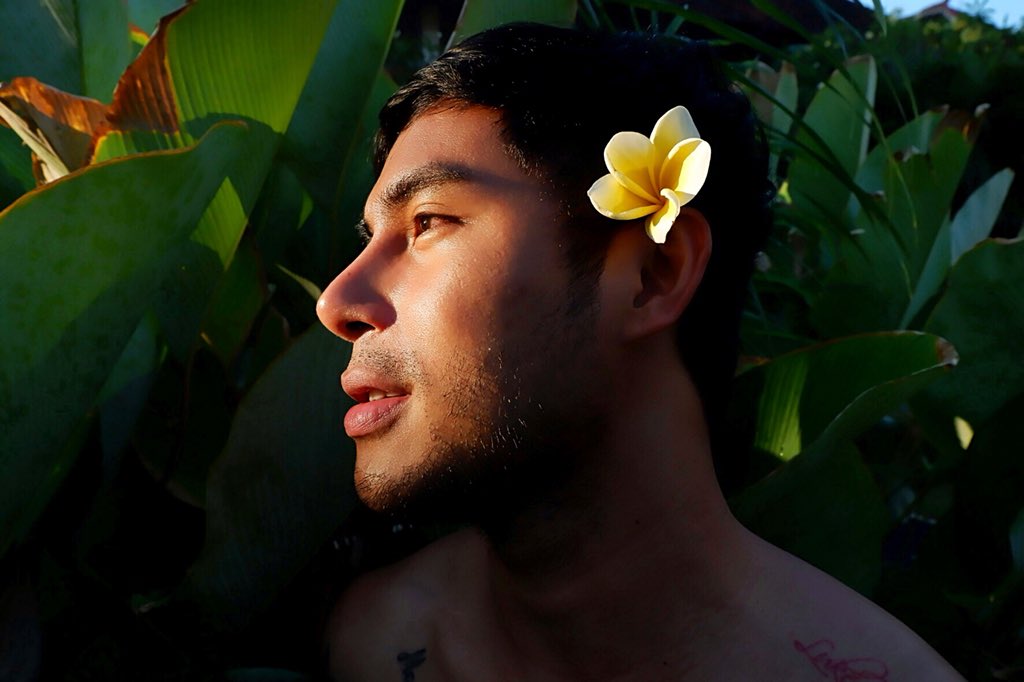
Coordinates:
(568,571)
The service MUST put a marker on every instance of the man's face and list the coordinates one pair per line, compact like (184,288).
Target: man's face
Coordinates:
(468,366)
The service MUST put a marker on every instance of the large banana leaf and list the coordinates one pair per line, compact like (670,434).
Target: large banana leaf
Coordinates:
(812,402)
(75,45)
(146,14)
(976,218)
(972,223)
(282,485)
(840,116)
(823,394)
(873,284)
(912,138)
(82,259)
(245,59)
(321,142)
(825,508)
(15,168)
(774,96)
(981,313)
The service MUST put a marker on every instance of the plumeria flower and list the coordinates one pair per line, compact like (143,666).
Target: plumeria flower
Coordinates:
(653,176)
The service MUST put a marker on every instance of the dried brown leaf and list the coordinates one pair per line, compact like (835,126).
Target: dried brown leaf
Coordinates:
(144,97)
(61,122)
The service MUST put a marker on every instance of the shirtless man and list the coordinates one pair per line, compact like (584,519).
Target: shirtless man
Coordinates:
(555,378)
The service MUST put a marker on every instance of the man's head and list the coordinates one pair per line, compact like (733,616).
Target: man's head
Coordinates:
(477,298)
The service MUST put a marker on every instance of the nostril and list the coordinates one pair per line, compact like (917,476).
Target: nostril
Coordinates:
(357,328)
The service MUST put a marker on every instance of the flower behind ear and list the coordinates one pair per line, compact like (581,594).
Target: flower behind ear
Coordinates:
(653,176)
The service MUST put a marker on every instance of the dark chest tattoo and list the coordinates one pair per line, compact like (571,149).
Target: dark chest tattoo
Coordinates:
(409,661)
(822,655)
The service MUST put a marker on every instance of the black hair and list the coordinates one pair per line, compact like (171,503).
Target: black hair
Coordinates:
(561,94)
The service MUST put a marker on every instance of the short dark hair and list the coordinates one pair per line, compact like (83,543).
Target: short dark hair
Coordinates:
(561,94)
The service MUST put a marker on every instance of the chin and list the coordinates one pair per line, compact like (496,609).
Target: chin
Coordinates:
(484,486)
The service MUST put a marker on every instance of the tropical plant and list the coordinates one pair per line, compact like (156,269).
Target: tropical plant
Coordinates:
(169,412)
(870,238)
(157,300)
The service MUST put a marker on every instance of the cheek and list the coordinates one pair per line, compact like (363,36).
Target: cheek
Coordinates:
(462,305)
(446,310)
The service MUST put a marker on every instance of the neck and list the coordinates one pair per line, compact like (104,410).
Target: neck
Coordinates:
(641,535)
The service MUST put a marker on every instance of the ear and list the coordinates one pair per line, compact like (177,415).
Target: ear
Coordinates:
(669,275)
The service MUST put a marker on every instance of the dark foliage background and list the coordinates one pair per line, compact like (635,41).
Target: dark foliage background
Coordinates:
(185,510)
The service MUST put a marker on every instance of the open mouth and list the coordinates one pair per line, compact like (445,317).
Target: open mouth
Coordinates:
(379,401)
(375,394)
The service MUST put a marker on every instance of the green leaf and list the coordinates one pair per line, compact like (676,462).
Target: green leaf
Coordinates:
(268,342)
(825,508)
(982,315)
(279,213)
(307,286)
(832,391)
(146,13)
(282,485)
(79,273)
(840,116)
(975,219)
(973,223)
(913,137)
(358,176)
(868,288)
(38,38)
(244,59)
(891,268)
(15,167)
(76,46)
(919,193)
(774,96)
(105,45)
(140,357)
(933,276)
(125,392)
(786,92)
(239,297)
(480,15)
(325,131)
(185,425)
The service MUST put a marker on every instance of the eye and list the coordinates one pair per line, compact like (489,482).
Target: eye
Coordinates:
(429,221)
(424,222)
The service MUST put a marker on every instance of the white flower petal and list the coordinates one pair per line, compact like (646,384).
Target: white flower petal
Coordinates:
(674,126)
(686,167)
(613,200)
(662,220)
(629,157)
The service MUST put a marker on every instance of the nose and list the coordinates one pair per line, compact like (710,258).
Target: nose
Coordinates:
(356,302)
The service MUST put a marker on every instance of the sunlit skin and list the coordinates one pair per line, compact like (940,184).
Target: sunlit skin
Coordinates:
(622,562)
(457,310)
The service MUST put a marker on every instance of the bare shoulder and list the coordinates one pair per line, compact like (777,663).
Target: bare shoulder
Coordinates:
(836,633)
(386,621)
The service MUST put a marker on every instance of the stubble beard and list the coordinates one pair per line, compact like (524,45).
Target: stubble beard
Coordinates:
(514,425)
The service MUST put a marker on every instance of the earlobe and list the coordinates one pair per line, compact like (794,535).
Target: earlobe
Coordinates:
(670,274)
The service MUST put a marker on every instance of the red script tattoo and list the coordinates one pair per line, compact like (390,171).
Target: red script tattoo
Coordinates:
(821,654)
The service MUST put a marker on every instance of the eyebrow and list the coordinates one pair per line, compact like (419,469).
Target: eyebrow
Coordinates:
(424,177)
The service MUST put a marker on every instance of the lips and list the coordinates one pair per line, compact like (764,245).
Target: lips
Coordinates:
(379,402)
(363,419)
